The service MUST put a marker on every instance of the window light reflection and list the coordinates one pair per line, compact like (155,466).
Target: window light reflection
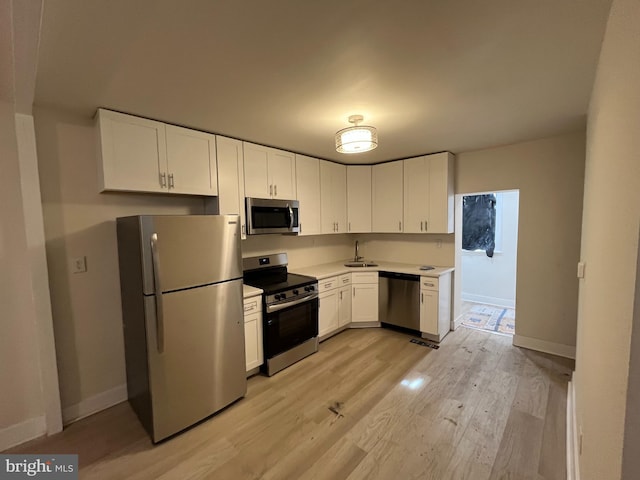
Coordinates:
(414,384)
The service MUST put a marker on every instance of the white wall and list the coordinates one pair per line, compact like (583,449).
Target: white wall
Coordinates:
(301,251)
(80,221)
(610,225)
(407,248)
(549,174)
(22,406)
(493,280)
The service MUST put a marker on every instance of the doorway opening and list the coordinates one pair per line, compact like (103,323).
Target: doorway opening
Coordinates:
(486,257)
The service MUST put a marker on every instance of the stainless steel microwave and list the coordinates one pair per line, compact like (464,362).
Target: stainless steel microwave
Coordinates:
(272,216)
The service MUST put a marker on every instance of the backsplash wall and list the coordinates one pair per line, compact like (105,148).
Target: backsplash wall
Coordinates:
(408,248)
(302,251)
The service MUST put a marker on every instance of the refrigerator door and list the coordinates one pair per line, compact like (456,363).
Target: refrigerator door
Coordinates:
(190,250)
(202,367)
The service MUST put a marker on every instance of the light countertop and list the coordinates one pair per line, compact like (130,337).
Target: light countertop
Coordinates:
(249,291)
(337,268)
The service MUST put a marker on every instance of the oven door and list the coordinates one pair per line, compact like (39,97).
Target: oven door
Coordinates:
(288,326)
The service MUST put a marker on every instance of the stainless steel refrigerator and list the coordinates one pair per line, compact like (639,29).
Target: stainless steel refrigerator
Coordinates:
(181,286)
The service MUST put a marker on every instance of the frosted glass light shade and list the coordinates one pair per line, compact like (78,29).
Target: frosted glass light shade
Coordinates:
(356,139)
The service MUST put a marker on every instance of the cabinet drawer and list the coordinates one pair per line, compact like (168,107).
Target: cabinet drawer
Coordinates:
(364,277)
(344,279)
(429,283)
(252,305)
(327,284)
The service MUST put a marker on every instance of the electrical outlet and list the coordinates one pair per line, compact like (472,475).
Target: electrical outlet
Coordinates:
(580,269)
(79,265)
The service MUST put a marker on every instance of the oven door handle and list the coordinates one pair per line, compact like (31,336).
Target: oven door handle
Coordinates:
(282,306)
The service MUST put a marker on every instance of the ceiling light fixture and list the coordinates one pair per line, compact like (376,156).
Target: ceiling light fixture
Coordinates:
(356,139)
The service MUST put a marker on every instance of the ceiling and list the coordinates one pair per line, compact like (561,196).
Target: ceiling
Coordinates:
(431,75)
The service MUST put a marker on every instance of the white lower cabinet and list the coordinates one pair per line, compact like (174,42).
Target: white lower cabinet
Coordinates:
(328,320)
(364,298)
(344,300)
(435,306)
(335,304)
(253,332)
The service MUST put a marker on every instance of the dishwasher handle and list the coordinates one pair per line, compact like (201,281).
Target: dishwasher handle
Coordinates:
(400,276)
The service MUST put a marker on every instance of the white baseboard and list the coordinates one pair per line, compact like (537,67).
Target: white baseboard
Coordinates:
(559,349)
(94,404)
(498,302)
(457,322)
(573,463)
(22,432)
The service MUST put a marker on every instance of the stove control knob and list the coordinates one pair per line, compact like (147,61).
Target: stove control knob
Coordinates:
(283,296)
(277,296)
(310,288)
(296,292)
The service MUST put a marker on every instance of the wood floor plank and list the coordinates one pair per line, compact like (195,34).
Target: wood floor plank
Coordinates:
(369,405)
(519,451)
(553,464)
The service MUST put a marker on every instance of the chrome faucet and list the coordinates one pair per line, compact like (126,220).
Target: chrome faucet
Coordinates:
(357,257)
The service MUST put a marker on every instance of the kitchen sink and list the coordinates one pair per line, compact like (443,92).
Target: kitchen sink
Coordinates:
(360,264)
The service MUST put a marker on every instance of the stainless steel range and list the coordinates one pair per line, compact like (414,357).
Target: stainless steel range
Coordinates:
(290,306)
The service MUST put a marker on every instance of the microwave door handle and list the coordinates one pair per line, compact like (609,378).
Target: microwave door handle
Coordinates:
(290,216)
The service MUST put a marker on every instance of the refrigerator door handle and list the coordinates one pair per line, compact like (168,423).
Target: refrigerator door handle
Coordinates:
(159,303)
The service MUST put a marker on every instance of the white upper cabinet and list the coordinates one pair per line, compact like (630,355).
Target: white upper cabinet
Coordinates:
(308,189)
(133,153)
(141,155)
(428,194)
(231,179)
(191,161)
(268,172)
(441,193)
(333,197)
(386,192)
(416,194)
(358,198)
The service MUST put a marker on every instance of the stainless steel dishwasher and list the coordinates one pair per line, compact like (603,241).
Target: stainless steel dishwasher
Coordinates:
(399,299)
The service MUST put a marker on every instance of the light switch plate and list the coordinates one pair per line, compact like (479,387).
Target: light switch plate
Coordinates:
(79,265)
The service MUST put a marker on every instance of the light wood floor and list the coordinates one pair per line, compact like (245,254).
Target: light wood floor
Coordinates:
(368,405)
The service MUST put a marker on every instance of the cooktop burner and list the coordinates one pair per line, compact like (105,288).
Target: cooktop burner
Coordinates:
(279,282)
(270,273)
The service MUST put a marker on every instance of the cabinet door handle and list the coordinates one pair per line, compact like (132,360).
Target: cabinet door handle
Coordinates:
(275,190)
(340,295)
(337,226)
(349,226)
(271,190)
(421,225)
(400,226)
(354,292)
(421,297)
(163,179)
(171,184)
(300,227)
(243,229)
(425,226)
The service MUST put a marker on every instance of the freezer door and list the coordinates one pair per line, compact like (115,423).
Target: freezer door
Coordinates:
(190,250)
(202,367)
